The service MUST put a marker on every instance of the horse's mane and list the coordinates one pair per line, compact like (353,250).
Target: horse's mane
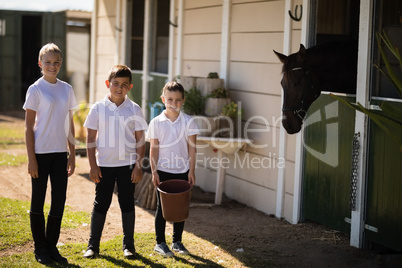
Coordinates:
(333,62)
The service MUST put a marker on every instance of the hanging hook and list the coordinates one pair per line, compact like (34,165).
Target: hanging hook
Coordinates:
(174,24)
(294,17)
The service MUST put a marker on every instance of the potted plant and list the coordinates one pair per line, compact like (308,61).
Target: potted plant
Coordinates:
(194,102)
(187,81)
(211,82)
(230,120)
(194,105)
(218,98)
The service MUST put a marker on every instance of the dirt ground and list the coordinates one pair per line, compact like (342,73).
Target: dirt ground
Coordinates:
(233,224)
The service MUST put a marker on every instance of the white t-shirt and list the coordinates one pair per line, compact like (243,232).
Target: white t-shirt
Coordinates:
(173,141)
(52,103)
(115,143)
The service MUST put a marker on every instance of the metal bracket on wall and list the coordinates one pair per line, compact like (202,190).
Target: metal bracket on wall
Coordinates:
(366,226)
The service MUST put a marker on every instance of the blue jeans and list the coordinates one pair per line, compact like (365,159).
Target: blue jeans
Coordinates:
(53,165)
(105,188)
(160,222)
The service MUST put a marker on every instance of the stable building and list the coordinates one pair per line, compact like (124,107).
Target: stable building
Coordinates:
(305,176)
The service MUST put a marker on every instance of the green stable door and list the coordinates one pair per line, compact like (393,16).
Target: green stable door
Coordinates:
(328,139)
(384,189)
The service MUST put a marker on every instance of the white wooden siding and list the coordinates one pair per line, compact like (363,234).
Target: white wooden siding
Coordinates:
(205,20)
(201,4)
(258,17)
(254,47)
(199,68)
(254,73)
(253,195)
(202,47)
(251,77)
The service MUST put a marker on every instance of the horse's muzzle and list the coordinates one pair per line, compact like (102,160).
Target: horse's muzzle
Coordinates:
(291,123)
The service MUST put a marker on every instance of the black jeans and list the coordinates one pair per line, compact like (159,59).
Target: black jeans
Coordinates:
(53,165)
(160,222)
(125,189)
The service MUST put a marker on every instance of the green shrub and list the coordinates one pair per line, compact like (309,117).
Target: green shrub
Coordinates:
(194,103)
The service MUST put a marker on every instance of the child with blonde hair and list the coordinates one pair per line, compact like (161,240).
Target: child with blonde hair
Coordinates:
(49,135)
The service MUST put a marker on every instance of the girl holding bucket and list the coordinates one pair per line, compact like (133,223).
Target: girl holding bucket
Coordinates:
(172,136)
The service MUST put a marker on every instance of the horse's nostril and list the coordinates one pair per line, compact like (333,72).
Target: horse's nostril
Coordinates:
(291,124)
(286,124)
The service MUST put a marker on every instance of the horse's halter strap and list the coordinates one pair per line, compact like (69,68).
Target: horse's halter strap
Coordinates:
(300,110)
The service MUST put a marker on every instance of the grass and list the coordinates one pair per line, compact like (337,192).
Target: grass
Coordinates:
(12,138)
(15,231)
(14,221)
(12,160)
(204,254)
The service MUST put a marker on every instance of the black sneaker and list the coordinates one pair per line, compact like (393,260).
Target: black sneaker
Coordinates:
(179,248)
(163,249)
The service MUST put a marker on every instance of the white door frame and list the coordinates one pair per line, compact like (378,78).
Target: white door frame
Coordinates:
(361,121)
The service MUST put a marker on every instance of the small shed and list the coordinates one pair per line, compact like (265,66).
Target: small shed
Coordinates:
(23,33)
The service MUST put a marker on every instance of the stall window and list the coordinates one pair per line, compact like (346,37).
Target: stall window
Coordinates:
(160,35)
(389,20)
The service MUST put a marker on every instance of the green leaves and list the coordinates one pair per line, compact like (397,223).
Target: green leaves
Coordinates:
(395,79)
(194,103)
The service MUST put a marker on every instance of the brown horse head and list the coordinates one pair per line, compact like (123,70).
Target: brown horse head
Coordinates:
(330,66)
(298,89)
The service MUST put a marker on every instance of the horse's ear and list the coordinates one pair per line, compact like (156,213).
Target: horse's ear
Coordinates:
(302,53)
(281,57)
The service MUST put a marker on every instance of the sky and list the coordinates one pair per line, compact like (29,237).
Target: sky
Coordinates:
(46,5)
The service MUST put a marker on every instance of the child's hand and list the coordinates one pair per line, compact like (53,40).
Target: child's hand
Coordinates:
(155,179)
(33,169)
(136,175)
(191,178)
(71,165)
(95,174)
